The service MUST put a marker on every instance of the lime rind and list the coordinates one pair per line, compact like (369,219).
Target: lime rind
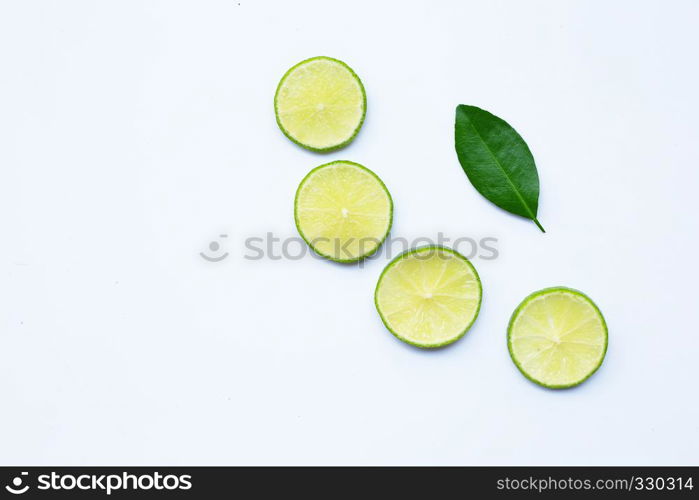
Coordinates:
(418,250)
(306,239)
(539,293)
(334,147)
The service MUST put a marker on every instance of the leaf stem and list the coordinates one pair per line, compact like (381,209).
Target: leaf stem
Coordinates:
(536,221)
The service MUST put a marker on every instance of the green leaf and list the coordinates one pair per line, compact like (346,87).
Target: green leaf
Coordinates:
(497,161)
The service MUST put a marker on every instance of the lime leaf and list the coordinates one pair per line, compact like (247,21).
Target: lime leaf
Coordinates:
(497,161)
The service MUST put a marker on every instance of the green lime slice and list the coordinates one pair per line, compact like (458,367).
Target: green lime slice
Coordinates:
(557,337)
(320,104)
(343,211)
(429,297)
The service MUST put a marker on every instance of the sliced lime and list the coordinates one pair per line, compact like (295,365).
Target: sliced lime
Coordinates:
(429,297)
(557,337)
(320,104)
(343,211)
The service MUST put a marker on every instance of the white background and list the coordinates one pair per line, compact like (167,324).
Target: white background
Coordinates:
(133,133)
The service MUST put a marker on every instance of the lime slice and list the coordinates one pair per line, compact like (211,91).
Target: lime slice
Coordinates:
(320,104)
(557,337)
(429,297)
(343,211)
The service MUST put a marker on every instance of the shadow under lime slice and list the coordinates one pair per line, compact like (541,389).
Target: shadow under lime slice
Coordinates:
(320,104)
(429,297)
(343,211)
(557,337)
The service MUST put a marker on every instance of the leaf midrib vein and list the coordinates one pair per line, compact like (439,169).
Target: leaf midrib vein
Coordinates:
(497,162)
